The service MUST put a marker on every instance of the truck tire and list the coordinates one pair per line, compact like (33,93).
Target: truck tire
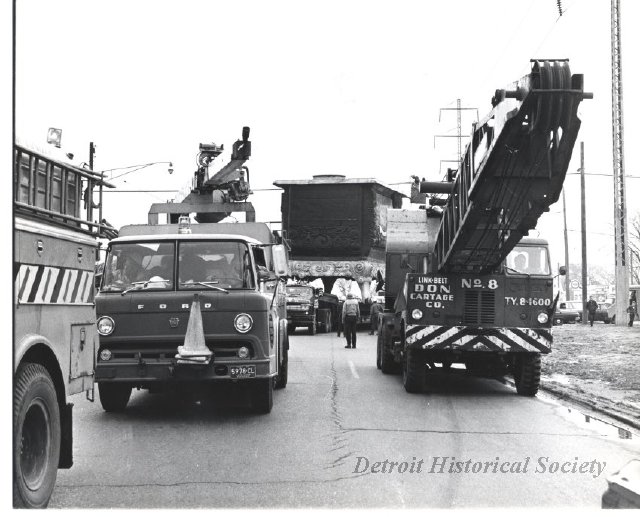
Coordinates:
(527,374)
(379,351)
(313,328)
(414,371)
(387,363)
(262,395)
(114,396)
(37,435)
(283,373)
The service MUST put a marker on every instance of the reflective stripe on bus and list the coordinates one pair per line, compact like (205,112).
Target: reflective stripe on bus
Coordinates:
(53,285)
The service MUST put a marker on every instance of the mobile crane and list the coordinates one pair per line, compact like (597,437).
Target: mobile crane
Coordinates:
(463,284)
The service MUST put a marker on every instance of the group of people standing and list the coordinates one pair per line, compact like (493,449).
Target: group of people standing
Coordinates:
(592,307)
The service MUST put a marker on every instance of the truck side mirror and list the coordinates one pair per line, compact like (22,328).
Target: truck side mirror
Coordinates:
(280,263)
(264,275)
(562,271)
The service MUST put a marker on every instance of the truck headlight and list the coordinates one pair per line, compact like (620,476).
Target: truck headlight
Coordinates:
(106,325)
(543,317)
(243,323)
(243,352)
(416,314)
(105,354)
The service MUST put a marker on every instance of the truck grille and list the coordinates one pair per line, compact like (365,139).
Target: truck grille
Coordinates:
(168,351)
(479,308)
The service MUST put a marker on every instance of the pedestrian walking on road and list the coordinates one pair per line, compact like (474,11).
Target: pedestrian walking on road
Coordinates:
(592,307)
(376,309)
(350,317)
(631,310)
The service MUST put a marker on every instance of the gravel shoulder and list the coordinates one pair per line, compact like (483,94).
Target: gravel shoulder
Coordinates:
(597,367)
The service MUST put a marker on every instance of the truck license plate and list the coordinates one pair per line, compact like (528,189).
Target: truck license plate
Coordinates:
(242,372)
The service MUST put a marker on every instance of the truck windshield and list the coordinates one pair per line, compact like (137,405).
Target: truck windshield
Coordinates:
(148,265)
(224,264)
(295,292)
(528,260)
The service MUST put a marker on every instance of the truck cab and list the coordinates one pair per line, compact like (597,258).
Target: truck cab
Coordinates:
(302,307)
(183,308)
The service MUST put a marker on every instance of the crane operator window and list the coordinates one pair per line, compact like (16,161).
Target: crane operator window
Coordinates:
(528,260)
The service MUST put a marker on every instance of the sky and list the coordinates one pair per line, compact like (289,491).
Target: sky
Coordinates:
(331,87)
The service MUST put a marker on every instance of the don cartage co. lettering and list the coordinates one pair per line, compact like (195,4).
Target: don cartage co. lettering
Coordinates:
(434,292)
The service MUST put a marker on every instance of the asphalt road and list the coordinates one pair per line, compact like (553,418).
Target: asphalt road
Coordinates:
(326,441)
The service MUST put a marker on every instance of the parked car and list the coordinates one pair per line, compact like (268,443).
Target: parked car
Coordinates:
(567,312)
(610,307)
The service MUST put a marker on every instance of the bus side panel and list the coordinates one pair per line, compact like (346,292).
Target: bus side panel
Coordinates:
(53,299)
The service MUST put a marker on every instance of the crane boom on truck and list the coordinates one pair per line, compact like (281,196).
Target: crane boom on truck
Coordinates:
(512,170)
(463,285)
(214,197)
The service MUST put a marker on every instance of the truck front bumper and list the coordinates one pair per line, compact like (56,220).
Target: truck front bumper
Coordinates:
(148,371)
(479,339)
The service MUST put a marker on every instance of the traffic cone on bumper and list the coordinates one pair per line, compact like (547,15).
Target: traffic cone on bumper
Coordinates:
(194,350)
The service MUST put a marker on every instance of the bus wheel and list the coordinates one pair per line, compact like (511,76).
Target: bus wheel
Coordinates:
(527,374)
(262,395)
(414,371)
(36,432)
(114,396)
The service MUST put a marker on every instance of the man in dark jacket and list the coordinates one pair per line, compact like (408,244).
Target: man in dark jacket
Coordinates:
(592,307)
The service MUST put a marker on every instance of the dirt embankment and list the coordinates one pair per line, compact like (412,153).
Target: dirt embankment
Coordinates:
(598,367)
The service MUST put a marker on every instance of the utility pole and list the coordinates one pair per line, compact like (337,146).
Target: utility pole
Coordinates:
(583,230)
(459,109)
(92,153)
(567,279)
(619,187)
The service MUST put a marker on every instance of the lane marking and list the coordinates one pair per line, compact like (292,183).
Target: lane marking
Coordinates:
(353,370)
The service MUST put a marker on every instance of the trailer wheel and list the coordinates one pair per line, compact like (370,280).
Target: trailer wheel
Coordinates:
(413,371)
(527,374)
(114,397)
(36,437)
(283,373)
(262,395)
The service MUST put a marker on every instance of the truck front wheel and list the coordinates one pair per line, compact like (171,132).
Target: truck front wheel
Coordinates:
(283,373)
(36,433)
(262,395)
(114,397)
(527,374)
(387,362)
(414,371)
